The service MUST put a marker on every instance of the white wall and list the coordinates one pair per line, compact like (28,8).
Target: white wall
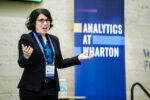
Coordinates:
(137,33)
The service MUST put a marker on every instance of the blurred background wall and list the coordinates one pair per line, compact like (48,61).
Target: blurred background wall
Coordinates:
(137,33)
(13,15)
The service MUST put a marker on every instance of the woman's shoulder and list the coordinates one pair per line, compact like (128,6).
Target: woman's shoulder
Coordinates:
(26,35)
(53,37)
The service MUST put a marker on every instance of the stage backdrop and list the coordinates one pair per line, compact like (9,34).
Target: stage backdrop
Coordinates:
(99,30)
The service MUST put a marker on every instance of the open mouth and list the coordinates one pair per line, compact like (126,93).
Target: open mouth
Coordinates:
(45,28)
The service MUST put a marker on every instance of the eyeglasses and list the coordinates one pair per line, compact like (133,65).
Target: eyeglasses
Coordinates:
(43,20)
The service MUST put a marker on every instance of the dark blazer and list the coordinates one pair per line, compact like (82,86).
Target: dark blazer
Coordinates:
(34,68)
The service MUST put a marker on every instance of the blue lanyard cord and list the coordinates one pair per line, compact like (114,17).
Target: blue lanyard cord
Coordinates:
(41,47)
(39,43)
(52,46)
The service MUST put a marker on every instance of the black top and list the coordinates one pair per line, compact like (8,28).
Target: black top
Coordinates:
(34,68)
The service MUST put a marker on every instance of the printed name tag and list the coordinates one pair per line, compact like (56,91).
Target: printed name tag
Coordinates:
(50,70)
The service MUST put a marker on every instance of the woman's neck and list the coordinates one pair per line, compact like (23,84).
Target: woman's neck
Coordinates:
(43,35)
(44,38)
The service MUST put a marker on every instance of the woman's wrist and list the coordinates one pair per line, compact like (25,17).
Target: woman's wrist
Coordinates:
(25,58)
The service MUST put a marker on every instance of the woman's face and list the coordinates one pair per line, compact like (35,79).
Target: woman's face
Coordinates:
(42,24)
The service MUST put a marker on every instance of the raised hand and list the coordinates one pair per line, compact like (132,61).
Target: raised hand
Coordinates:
(27,51)
(84,56)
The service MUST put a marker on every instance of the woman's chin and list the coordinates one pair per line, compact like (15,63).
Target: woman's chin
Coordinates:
(45,31)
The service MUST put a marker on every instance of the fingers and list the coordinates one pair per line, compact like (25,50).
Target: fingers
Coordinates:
(86,55)
(24,48)
(30,51)
(27,50)
(22,45)
(91,56)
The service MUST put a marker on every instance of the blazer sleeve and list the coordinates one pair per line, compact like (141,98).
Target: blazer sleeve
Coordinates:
(21,61)
(63,63)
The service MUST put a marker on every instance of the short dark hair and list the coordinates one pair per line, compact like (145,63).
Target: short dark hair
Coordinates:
(30,24)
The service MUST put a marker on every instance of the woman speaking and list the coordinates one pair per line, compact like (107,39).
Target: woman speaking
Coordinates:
(40,56)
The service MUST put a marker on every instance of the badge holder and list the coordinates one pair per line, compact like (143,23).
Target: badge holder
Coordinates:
(50,70)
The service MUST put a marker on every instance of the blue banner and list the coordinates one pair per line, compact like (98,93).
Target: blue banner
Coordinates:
(99,31)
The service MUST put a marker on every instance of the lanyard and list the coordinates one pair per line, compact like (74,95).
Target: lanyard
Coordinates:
(52,46)
(41,47)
